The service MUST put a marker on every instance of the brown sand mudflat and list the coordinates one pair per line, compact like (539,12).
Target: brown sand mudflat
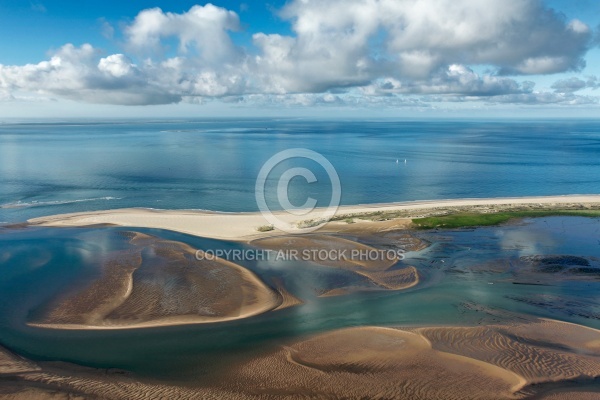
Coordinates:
(503,361)
(370,263)
(160,282)
(329,251)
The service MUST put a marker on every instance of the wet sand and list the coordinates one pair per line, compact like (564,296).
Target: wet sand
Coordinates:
(501,361)
(170,287)
(373,264)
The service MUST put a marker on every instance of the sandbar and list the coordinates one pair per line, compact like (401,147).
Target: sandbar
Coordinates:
(243,226)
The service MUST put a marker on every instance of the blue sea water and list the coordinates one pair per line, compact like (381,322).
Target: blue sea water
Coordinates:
(51,168)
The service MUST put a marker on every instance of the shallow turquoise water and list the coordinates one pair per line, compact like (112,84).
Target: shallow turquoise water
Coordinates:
(37,263)
(212,164)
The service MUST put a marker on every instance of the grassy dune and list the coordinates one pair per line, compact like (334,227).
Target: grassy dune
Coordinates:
(462,220)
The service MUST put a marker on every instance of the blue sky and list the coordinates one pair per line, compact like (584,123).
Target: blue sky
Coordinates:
(300,57)
(48,24)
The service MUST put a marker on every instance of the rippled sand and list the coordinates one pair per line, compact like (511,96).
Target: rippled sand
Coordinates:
(493,362)
(539,358)
(160,282)
(25,380)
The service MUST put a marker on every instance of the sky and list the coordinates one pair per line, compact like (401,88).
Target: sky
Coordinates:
(320,58)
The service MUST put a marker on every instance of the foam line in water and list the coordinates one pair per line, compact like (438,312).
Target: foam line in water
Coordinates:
(35,203)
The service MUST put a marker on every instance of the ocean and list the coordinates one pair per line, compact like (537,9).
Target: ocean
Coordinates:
(52,168)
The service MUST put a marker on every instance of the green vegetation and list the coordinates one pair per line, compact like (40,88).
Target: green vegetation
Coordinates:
(310,223)
(265,228)
(349,220)
(372,216)
(463,220)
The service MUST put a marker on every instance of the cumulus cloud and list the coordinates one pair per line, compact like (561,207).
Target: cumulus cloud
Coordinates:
(456,79)
(575,84)
(79,73)
(540,98)
(348,43)
(339,51)
(203,28)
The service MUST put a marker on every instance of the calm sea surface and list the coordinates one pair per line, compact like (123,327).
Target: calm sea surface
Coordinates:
(67,167)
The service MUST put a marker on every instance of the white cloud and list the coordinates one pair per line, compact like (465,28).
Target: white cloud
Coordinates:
(75,73)
(346,43)
(538,98)
(367,49)
(579,27)
(116,65)
(204,28)
(455,80)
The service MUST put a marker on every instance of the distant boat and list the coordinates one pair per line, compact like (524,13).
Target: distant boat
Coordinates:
(405,161)
(396,161)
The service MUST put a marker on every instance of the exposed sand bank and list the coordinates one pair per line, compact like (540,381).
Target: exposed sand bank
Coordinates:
(132,294)
(535,358)
(336,252)
(243,226)
(495,362)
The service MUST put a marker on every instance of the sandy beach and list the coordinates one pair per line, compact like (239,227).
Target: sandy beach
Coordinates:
(243,226)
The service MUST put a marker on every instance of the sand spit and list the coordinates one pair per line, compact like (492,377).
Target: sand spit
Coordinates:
(396,279)
(534,359)
(11,363)
(330,251)
(287,299)
(160,282)
(243,226)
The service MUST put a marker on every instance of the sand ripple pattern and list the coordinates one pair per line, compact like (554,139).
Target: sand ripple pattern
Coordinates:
(511,361)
